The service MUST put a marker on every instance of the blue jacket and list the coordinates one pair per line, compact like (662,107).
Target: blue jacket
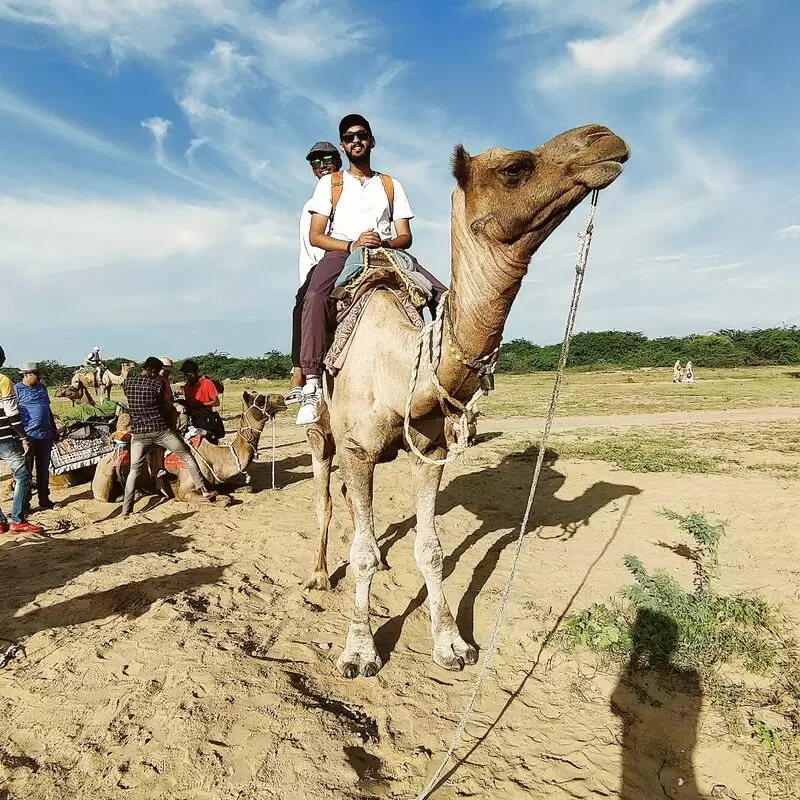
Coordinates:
(34,408)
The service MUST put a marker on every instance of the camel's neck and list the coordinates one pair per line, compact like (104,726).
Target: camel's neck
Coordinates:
(245,445)
(484,284)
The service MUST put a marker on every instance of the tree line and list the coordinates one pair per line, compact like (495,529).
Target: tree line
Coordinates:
(602,349)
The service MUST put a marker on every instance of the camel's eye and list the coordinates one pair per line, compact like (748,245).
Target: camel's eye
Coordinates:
(514,172)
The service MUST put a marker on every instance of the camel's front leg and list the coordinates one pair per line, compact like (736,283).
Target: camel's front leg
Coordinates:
(449,649)
(360,655)
(322,448)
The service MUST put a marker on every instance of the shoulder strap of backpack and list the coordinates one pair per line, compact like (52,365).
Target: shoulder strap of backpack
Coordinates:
(337,184)
(388,187)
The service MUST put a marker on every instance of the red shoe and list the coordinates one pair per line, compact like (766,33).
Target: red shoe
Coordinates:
(25,527)
(3,527)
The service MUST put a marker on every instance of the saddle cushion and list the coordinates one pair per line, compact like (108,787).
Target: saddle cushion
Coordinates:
(175,463)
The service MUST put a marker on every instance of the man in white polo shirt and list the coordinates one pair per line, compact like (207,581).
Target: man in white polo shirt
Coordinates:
(363,217)
(324,159)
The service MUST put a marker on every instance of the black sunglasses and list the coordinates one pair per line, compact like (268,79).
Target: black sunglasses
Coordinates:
(318,162)
(363,136)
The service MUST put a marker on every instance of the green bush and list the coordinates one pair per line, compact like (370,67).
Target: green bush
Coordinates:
(659,623)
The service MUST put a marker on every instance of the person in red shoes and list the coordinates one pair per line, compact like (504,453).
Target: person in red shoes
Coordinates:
(14,447)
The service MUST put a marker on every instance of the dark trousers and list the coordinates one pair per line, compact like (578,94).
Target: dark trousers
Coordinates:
(297,319)
(315,308)
(38,456)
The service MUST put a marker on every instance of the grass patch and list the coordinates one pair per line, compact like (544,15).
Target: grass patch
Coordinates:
(636,453)
(641,392)
(656,624)
(660,624)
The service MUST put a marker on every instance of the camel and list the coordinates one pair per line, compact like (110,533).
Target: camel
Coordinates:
(75,393)
(505,205)
(218,463)
(109,379)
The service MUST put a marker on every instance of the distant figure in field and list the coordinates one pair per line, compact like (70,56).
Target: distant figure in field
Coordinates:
(677,372)
(688,376)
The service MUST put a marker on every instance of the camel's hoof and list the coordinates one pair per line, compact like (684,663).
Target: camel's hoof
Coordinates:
(456,656)
(370,670)
(349,670)
(320,581)
(449,661)
(353,664)
(383,566)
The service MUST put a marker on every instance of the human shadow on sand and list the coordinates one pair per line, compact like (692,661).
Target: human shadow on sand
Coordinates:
(31,566)
(659,707)
(496,496)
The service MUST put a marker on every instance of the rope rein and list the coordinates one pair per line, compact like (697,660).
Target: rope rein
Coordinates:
(580,268)
(433,334)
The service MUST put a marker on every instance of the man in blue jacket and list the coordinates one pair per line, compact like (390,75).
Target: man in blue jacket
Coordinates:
(40,427)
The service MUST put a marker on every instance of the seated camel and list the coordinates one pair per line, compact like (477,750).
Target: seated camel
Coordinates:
(75,393)
(218,463)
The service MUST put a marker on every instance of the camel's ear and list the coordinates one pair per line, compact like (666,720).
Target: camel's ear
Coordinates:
(460,162)
(248,398)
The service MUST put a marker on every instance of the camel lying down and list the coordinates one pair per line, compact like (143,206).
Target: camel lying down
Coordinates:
(505,205)
(218,463)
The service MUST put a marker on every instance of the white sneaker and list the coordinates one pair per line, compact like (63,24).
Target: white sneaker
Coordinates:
(309,405)
(293,396)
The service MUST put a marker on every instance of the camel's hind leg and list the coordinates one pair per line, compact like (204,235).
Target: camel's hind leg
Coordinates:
(320,441)
(449,649)
(359,655)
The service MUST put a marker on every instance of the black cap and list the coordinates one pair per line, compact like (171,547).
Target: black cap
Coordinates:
(353,119)
(321,147)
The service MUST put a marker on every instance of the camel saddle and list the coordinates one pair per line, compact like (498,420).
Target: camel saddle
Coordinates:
(367,271)
(173,463)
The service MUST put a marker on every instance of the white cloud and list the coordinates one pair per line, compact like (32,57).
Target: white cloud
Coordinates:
(788,232)
(639,40)
(56,126)
(159,128)
(48,237)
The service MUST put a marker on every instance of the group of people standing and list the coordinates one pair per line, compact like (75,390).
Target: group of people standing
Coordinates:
(27,433)
(357,207)
(28,429)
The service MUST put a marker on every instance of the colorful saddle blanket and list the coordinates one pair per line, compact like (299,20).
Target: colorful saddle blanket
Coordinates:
(174,463)
(80,445)
(365,272)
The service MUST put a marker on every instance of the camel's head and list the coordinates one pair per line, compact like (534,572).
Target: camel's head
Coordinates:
(62,391)
(517,198)
(265,406)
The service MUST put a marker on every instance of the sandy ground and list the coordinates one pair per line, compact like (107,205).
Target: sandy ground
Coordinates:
(176,656)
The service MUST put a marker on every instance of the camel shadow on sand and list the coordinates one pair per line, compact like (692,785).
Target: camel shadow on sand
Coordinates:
(32,566)
(496,496)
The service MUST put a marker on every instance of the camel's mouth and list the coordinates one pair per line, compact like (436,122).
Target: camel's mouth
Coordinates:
(613,150)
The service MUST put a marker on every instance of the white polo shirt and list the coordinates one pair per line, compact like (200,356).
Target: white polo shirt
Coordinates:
(309,256)
(361,207)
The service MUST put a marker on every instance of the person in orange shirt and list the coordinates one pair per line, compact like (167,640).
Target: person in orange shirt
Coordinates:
(202,399)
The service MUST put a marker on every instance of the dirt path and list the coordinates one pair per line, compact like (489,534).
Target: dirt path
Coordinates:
(487,425)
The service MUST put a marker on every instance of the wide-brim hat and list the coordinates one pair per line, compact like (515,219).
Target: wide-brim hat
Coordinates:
(166,362)
(321,148)
(29,366)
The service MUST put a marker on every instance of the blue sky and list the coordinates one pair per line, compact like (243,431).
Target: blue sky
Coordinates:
(153,171)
